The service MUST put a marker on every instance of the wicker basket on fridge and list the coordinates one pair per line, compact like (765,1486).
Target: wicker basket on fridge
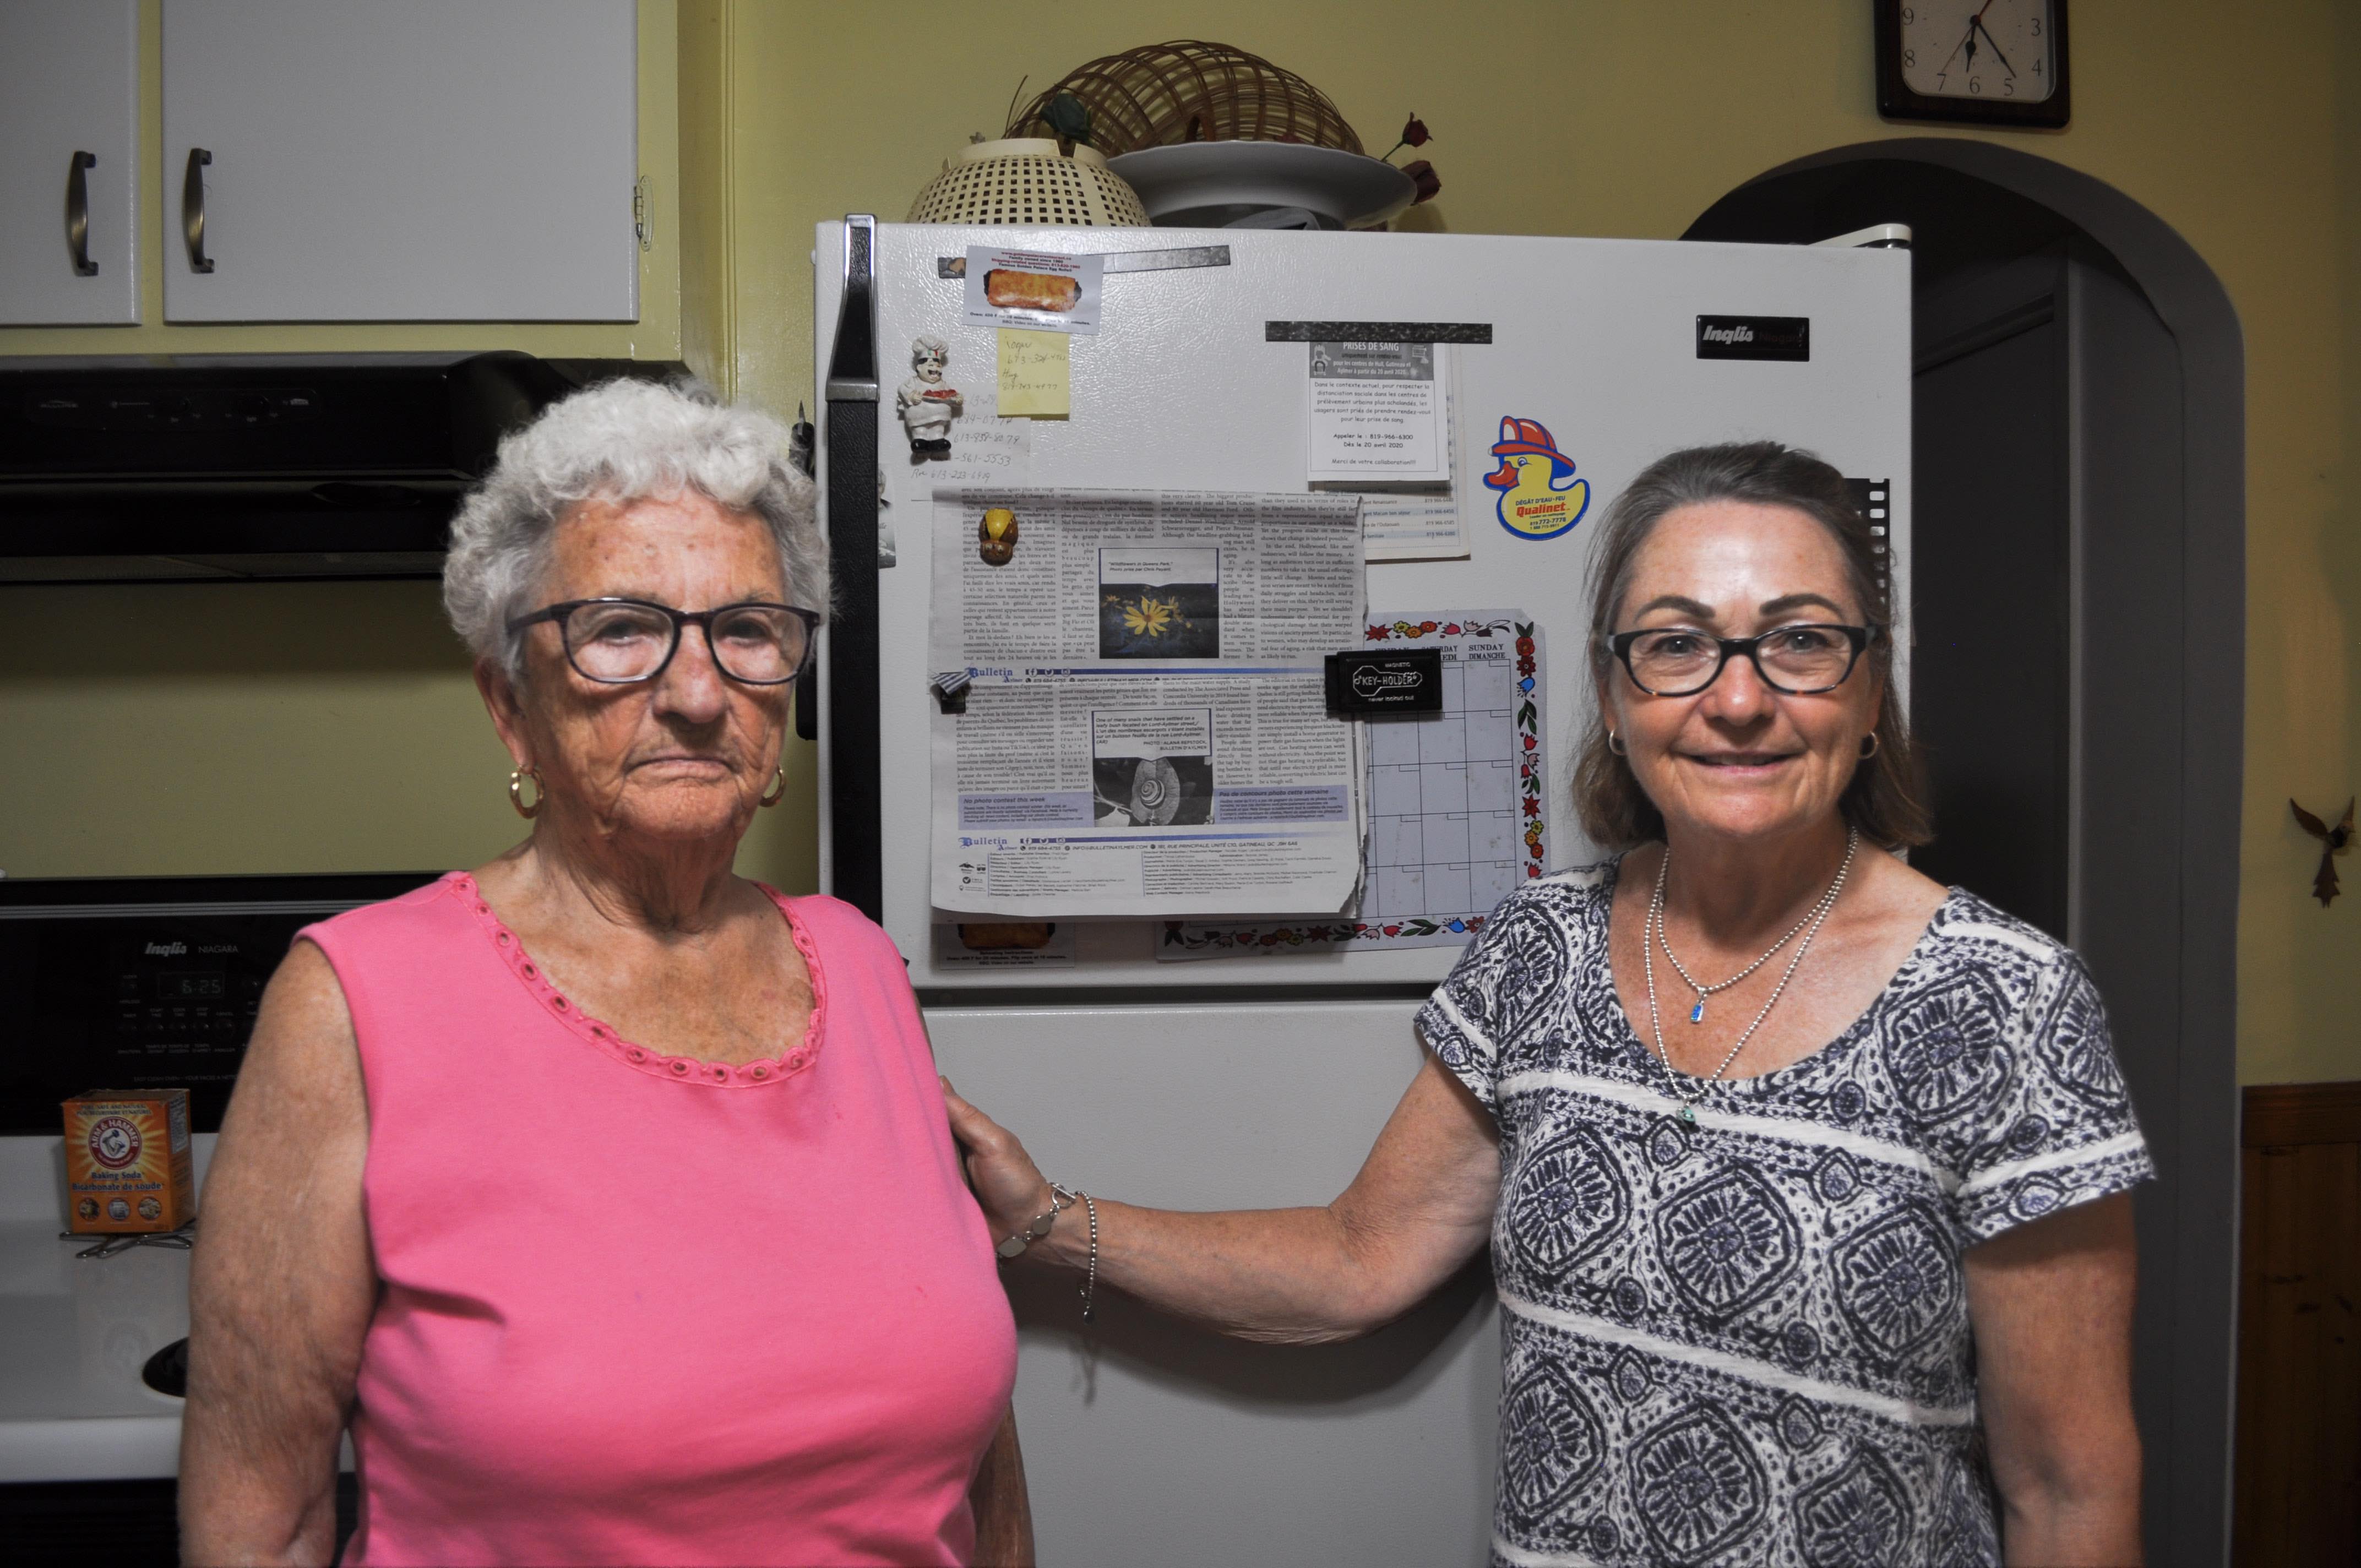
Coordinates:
(1186,91)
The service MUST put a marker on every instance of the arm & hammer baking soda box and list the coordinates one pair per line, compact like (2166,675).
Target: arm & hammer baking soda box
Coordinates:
(128,1162)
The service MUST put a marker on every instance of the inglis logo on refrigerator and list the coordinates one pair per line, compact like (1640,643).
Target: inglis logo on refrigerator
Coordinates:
(1754,337)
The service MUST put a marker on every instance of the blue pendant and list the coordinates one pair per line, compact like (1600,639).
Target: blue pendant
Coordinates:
(1689,1114)
(1697,1013)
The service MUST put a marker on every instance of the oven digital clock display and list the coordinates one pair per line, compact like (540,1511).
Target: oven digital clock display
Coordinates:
(192,985)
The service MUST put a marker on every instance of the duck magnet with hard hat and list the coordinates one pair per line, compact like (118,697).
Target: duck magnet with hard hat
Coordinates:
(1540,497)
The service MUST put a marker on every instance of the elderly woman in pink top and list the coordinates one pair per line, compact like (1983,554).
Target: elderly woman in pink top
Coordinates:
(605,1196)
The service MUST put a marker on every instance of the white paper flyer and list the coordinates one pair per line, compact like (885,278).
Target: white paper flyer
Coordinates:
(1034,288)
(1134,722)
(1375,414)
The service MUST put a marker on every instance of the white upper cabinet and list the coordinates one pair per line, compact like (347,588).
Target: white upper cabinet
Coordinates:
(418,160)
(68,162)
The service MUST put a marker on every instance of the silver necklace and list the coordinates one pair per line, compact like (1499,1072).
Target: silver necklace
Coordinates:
(1697,1013)
(1652,936)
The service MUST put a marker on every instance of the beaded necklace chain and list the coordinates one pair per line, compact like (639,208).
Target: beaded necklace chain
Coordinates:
(1697,1013)
(1651,936)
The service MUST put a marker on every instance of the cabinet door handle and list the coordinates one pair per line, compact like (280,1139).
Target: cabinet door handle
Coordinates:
(78,214)
(193,209)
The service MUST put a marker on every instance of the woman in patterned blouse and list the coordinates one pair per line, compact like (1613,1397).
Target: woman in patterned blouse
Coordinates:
(1821,1256)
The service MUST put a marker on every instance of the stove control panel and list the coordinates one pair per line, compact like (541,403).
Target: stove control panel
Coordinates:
(143,993)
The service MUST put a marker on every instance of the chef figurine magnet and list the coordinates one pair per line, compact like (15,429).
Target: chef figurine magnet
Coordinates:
(926,405)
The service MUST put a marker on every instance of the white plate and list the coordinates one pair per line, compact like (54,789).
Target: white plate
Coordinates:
(1208,184)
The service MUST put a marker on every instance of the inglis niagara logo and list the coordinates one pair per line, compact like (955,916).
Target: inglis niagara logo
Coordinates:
(1754,337)
(167,949)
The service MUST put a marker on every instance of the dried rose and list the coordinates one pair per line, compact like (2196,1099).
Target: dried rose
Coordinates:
(1414,134)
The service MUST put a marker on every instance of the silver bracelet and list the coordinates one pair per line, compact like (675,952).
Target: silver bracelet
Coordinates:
(1089,1291)
(1013,1245)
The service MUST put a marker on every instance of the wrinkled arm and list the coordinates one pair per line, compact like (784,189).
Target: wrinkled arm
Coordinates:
(1420,1207)
(280,1287)
(2051,1305)
(1003,1511)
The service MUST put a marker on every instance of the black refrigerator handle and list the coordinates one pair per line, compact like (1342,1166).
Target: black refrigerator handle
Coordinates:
(856,825)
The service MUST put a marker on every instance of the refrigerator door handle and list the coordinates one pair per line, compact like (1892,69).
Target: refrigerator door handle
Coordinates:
(857,838)
(852,362)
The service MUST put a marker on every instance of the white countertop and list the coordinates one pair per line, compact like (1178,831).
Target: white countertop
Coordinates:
(74,1333)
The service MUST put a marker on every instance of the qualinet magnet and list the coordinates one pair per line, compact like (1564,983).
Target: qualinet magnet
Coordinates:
(1540,497)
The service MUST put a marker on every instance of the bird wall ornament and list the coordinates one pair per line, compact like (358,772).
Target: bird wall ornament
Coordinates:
(2336,840)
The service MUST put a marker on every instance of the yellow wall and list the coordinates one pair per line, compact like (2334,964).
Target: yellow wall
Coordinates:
(1576,117)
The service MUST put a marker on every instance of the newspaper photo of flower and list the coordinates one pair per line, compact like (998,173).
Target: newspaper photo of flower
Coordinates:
(1148,616)
(1158,602)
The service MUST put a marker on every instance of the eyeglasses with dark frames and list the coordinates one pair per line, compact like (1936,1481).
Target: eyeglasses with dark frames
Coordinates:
(1796,661)
(622,642)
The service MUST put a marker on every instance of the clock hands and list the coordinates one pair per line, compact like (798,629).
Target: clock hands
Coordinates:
(1968,41)
(1991,43)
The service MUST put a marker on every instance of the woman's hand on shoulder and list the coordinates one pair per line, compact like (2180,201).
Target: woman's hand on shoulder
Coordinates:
(1007,1184)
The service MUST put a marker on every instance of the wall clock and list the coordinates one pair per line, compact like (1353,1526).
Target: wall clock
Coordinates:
(1983,62)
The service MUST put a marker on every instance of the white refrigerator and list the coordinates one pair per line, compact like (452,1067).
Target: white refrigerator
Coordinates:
(1206,1062)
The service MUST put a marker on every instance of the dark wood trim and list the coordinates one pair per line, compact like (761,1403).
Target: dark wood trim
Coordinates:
(2298,1471)
(2278,1115)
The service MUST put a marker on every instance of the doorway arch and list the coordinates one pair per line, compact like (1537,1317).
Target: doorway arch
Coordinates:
(2154,494)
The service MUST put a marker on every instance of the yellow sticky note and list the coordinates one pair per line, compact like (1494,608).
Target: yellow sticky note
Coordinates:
(1033,378)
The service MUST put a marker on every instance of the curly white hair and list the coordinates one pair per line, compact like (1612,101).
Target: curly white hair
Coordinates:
(619,442)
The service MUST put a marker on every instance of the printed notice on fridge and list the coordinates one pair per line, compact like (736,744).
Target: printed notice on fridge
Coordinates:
(1456,801)
(1377,414)
(1144,729)
(1032,288)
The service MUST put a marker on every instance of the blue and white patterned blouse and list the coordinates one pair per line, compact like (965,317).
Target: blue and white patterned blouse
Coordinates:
(1746,1339)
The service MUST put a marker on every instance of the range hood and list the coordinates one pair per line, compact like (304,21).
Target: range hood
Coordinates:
(250,466)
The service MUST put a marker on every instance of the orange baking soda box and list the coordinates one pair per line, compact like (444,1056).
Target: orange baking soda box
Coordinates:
(127,1164)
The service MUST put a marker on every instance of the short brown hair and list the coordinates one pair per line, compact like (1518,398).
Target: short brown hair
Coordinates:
(1885,798)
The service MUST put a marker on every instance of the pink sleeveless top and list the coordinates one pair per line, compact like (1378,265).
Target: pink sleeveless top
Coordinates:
(641,1309)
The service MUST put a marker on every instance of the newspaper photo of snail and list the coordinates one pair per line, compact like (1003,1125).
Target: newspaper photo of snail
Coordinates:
(1152,767)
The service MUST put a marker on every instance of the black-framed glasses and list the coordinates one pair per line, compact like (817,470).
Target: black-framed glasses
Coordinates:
(1679,661)
(619,641)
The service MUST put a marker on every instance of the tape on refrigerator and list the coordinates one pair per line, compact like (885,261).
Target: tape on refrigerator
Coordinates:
(1377,332)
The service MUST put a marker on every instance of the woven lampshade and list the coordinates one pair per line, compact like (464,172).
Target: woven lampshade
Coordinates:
(1026,182)
(1186,91)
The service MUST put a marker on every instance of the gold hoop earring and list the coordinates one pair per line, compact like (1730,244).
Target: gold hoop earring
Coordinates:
(1870,751)
(1615,744)
(778,790)
(516,791)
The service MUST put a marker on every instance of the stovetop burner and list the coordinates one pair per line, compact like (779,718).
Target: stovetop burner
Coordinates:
(167,1371)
